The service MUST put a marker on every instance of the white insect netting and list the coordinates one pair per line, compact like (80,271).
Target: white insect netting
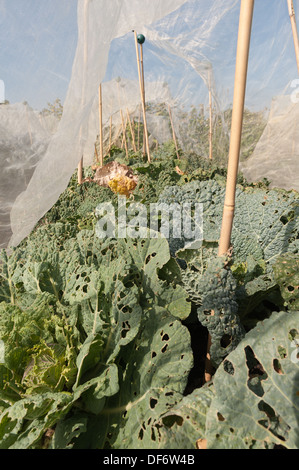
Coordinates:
(66,49)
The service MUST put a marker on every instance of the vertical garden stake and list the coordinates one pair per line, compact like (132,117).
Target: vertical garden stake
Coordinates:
(294,29)
(101,124)
(124,125)
(80,171)
(131,130)
(173,132)
(245,23)
(141,40)
(110,135)
(211,119)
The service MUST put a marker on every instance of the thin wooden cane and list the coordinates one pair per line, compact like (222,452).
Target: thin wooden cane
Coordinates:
(85,55)
(110,135)
(245,24)
(96,152)
(138,135)
(173,132)
(124,127)
(124,132)
(101,125)
(143,89)
(80,171)
(131,130)
(142,95)
(294,29)
(211,120)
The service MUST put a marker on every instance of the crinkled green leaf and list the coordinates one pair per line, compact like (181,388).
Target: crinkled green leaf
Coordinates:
(185,423)
(150,256)
(23,424)
(212,287)
(257,402)
(155,372)
(286,274)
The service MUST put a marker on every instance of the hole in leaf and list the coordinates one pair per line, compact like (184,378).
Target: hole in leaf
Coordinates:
(154,354)
(292,334)
(282,352)
(169,421)
(164,349)
(225,341)
(273,422)
(256,373)
(126,309)
(228,367)
(85,287)
(220,417)
(255,368)
(291,288)
(140,435)
(277,367)
(232,430)
(153,403)
(152,255)
(165,337)
(283,219)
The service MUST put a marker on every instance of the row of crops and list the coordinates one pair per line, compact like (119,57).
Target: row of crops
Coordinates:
(105,340)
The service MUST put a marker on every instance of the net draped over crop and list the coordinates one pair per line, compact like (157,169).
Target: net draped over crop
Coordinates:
(66,51)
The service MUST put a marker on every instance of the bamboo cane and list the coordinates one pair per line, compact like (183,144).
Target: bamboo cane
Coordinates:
(101,125)
(139,119)
(245,23)
(96,152)
(142,95)
(80,171)
(246,14)
(294,29)
(110,135)
(131,130)
(124,132)
(173,132)
(143,89)
(83,94)
(211,120)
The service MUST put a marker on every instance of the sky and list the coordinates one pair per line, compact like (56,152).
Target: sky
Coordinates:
(38,41)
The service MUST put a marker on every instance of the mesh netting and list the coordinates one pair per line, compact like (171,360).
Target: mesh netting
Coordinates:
(66,50)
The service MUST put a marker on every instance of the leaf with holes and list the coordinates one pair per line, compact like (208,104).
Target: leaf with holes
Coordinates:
(155,372)
(257,400)
(286,274)
(213,290)
(184,424)
(151,256)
